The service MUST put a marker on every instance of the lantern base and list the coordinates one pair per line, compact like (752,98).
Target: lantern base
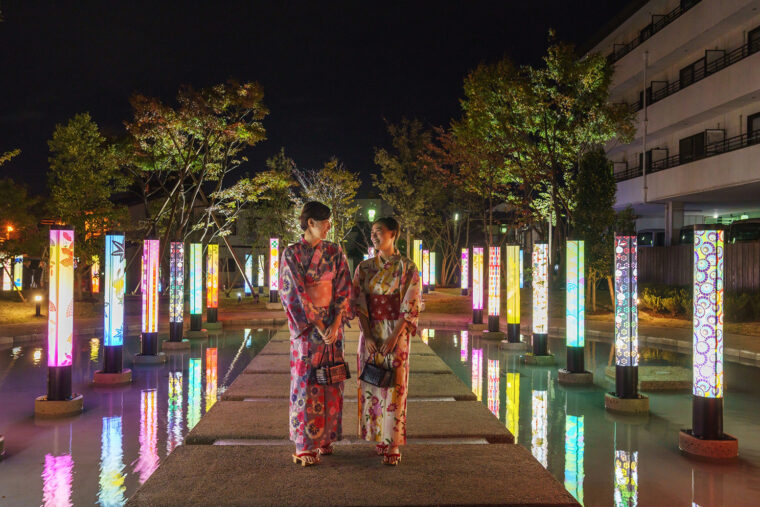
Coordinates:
(476,327)
(59,383)
(112,359)
(175,331)
(261,290)
(101,378)
(174,346)
(274,306)
(494,335)
(513,333)
(196,322)
(574,377)
(431,287)
(274,296)
(58,408)
(159,358)
(425,289)
(514,346)
(575,360)
(465,292)
(725,447)
(627,382)
(200,334)
(493,323)
(707,418)
(212,315)
(543,360)
(149,344)
(631,406)
(477,316)
(213,326)
(540,344)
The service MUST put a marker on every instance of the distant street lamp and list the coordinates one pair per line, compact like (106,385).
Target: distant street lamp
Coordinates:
(371,214)
(456,217)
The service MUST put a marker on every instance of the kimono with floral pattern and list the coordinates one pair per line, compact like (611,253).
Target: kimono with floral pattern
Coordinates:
(382,411)
(315,410)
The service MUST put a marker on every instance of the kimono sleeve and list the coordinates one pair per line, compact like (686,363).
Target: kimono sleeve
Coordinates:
(342,288)
(410,294)
(359,298)
(295,300)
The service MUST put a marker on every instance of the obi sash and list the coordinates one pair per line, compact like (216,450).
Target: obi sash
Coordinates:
(320,292)
(384,306)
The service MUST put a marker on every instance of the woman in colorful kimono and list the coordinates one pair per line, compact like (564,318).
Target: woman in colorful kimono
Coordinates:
(315,288)
(387,301)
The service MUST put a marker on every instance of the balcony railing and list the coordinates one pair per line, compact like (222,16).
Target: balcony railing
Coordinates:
(700,73)
(620,50)
(724,146)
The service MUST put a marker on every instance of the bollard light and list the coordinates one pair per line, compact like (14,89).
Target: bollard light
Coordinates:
(176,290)
(212,283)
(575,306)
(149,339)
(626,317)
(513,293)
(113,307)
(425,271)
(274,270)
(95,275)
(494,287)
(540,298)
(196,284)
(248,274)
(37,305)
(477,284)
(464,271)
(60,314)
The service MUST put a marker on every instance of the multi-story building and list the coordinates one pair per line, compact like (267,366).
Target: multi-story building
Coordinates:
(690,69)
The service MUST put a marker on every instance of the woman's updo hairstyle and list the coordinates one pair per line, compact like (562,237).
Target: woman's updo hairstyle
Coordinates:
(314,210)
(391,224)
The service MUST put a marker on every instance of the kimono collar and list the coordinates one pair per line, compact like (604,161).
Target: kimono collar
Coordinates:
(307,244)
(395,255)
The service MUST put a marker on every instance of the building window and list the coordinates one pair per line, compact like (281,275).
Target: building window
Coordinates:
(691,73)
(753,128)
(691,148)
(753,40)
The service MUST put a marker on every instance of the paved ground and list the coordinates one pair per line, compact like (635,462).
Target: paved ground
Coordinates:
(239,452)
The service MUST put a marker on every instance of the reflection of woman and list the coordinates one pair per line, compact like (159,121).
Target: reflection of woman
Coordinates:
(315,288)
(387,299)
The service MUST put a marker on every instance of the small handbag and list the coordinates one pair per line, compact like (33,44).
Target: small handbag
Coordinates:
(332,371)
(380,376)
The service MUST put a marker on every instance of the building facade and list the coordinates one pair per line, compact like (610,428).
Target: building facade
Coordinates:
(690,70)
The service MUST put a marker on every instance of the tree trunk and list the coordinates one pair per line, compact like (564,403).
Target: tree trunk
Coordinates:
(611,287)
(409,245)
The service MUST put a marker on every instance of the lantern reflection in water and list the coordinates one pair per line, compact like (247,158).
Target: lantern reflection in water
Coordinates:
(193,392)
(174,415)
(111,487)
(477,373)
(57,476)
(493,386)
(574,448)
(513,403)
(211,377)
(539,443)
(95,275)
(248,274)
(424,336)
(147,462)
(463,351)
(626,478)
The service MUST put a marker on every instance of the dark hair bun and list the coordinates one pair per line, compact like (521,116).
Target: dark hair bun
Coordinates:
(314,210)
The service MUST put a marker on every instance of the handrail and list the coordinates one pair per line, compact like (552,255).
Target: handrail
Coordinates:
(649,30)
(712,149)
(700,73)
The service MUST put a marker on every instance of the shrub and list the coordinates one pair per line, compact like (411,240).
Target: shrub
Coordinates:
(739,307)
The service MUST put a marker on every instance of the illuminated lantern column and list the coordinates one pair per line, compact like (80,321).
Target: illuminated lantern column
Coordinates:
(212,284)
(274,270)
(59,400)
(261,274)
(113,314)
(465,272)
(418,255)
(18,272)
(706,438)
(513,293)
(149,339)
(7,275)
(95,275)
(522,269)
(540,298)
(626,398)
(425,271)
(477,284)
(432,275)
(176,290)
(494,287)
(196,283)
(575,317)
(248,274)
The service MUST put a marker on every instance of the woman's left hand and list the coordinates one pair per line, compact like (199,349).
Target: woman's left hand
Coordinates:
(388,346)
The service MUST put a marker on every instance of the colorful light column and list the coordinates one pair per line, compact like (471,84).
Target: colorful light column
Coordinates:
(196,284)
(465,272)
(540,299)
(477,284)
(274,270)
(425,271)
(513,293)
(418,255)
(149,339)
(261,274)
(113,306)
(18,272)
(248,274)
(176,290)
(433,275)
(575,306)
(95,275)
(626,317)
(60,314)
(212,283)
(7,274)
(494,287)
(522,270)
(706,438)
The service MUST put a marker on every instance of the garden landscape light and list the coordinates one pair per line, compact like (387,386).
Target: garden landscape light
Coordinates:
(59,400)
(274,270)
(477,284)
(212,283)
(540,298)
(37,305)
(513,293)
(425,271)
(196,290)
(248,274)
(176,290)
(706,438)
(494,287)
(464,272)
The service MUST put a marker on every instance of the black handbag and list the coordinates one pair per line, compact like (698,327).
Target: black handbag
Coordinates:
(379,376)
(332,371)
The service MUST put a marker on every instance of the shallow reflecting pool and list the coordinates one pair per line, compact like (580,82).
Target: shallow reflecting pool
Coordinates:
(603,459)
(103,455)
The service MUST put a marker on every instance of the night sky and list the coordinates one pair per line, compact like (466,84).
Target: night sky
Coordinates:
(332,72)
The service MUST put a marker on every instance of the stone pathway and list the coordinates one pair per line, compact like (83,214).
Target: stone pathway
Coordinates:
(458,452)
